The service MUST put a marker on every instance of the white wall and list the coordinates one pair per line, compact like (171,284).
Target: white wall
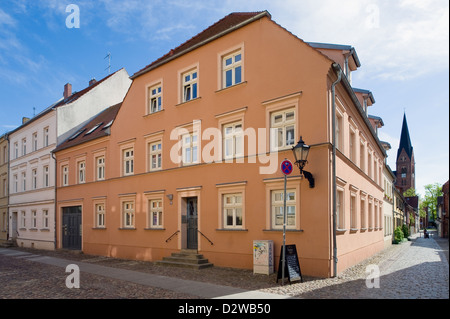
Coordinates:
(108,93)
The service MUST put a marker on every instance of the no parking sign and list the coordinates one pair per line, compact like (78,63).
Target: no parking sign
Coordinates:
(286,167)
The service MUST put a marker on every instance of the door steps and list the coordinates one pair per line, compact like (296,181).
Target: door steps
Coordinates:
(186,258)
(8,243)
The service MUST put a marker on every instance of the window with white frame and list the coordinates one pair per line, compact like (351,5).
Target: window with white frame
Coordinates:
(352,145)
(277,198)
(33,219)
(190,148)
(362,156)
(190,85)
(5,187)
(46,176)
(23,219)
(65,175)
(353,213)
(128,214)
(340,209)
(232,69)
(100,168)
(34,178)
(155,150)
(232,210)
(155,99)
(100,215)
(34,142)
(81,172)
(282,129)
(45,218)
(16,150)
(339,131)
(46,136)
(370,216)
(155,212)
(363,213)
(16,183)
(128,161)
(24,146)
(24,181)
(233,139)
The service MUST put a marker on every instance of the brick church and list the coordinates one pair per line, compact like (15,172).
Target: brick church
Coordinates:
(405,161)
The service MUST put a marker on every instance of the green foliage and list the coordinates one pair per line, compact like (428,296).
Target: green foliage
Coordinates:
(398,235)
(405,230)
(410,193)
(432,192)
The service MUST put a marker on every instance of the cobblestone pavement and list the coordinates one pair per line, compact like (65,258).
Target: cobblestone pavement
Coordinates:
(413,269)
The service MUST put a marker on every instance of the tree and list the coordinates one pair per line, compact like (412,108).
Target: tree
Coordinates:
(410,193)
(432,192)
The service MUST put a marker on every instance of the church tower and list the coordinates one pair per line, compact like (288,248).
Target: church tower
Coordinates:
(405,161)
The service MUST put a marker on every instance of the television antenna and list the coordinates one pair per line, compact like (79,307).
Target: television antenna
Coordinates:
(109,62)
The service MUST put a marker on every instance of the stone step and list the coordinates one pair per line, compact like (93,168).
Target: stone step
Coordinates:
(186,258)
(8,244)
(182,264)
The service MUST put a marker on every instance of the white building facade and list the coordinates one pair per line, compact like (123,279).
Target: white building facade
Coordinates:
(32,167)
(388,205)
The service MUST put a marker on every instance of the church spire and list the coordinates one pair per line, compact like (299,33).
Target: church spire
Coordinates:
(405,140)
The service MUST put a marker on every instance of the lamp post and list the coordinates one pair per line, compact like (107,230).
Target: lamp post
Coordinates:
(301,151)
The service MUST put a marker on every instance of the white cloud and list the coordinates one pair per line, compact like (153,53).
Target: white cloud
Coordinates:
(394,40)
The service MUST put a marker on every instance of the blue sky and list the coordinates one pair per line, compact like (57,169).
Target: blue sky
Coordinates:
(403,46)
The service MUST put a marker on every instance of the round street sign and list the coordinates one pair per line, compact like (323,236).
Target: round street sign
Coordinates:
(286,167)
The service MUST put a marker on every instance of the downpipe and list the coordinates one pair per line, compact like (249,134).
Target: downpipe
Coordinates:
(333,133)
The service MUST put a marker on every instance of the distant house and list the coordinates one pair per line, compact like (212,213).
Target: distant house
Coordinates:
(442,212)
(31,165)
(4,159)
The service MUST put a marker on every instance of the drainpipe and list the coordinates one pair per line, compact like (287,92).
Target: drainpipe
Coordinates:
(55,209)
(333,133)
(7,186)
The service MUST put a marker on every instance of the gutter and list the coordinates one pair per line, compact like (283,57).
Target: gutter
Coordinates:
(333,133)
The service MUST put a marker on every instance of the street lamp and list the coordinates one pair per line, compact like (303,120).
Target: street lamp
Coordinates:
(301,151)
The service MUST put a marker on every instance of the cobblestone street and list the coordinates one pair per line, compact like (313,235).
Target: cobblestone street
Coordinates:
(417,269)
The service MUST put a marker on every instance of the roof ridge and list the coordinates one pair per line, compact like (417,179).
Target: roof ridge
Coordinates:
(226,23)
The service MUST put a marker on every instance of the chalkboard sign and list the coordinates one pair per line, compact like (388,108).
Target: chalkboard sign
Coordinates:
(292,266)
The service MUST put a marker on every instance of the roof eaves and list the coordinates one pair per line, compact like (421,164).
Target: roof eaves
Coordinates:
(369,93)
(195,46)
(355,100)
(332,46)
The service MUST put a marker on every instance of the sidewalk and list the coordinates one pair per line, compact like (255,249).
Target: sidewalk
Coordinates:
(195,288)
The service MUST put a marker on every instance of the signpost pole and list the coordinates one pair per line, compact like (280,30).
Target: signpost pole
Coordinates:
(284,230)
(286,168)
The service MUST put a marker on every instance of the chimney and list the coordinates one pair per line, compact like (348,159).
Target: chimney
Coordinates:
(25,119)
(67,90)
(92,81)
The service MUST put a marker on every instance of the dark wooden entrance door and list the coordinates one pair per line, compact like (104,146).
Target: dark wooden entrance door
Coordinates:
(71,228)
(192,235)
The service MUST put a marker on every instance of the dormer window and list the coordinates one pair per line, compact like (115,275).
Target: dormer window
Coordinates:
(93,129)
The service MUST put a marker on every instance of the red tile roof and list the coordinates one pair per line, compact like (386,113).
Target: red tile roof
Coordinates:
(227,24)
(97,127)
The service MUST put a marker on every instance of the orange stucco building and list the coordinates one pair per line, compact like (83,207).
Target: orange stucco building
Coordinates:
(188,160)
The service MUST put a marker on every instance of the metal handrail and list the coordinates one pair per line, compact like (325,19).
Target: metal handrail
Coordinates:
(170,238)
(205,237)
